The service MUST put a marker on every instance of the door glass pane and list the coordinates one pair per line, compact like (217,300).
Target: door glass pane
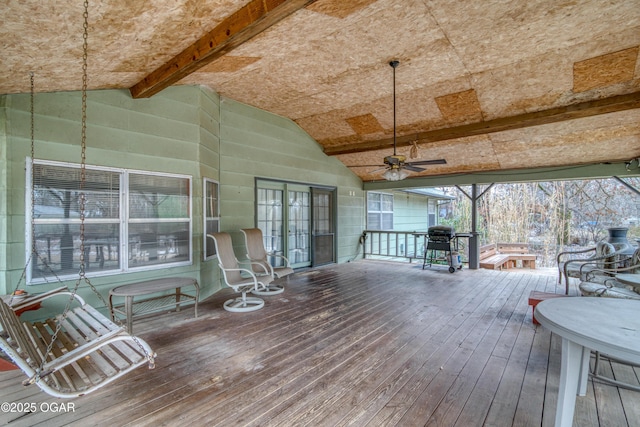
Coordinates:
(270,222)
(299,227)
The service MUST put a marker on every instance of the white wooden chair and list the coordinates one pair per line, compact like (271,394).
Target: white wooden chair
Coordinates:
(239,279)
(256,252)
(73,353)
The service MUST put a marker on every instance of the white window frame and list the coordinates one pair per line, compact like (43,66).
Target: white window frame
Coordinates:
(381,211)
(206,241)
(124,221)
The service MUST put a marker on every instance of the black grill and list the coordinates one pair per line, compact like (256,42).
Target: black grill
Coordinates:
(441,233)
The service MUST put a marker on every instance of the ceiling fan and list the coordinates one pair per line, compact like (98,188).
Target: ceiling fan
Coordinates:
(396,165)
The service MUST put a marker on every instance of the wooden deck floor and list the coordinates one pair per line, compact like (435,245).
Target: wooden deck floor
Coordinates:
(368,343)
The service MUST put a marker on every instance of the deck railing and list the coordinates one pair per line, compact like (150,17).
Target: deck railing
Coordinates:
(394,244)
(412,244)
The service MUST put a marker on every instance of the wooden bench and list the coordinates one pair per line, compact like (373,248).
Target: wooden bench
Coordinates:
(536,297)
(506,255)
(491,259)
(89,350)
(130,308)
(518,252)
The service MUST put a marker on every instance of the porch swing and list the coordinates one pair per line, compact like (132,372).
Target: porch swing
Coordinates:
(80,350)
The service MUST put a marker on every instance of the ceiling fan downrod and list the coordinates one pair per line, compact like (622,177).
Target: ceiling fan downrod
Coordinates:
(394,64)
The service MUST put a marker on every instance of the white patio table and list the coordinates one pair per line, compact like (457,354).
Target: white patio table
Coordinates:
(608,325)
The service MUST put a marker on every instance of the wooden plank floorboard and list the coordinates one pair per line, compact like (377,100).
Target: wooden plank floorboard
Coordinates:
(449,409)
(472,375)
(430,379)
(241,346)
(391,388)
(307,356)
(358,344)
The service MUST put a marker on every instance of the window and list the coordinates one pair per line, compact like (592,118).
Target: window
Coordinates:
(133,220)
(379,211)
(211,211)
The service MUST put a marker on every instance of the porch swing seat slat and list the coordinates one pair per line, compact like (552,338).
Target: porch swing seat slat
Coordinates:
(89,351)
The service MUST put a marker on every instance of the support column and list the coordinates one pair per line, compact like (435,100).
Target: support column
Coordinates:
(474,241)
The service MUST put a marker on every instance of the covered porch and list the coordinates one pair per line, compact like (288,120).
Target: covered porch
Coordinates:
(362,343)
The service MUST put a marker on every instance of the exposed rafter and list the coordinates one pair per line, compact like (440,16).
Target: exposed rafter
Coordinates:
(552,115)
(255,17)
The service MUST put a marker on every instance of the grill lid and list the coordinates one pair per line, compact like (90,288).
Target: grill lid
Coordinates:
(441,231)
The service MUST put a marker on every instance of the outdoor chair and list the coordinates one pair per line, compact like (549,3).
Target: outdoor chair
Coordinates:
(611,288)
(602,282)
(592,273)
(259,257)
(239,279)
(604,255)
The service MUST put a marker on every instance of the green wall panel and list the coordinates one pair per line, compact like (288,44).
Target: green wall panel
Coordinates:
(184,129)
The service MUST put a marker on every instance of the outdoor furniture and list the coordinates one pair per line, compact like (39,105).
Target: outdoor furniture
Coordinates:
(590,272)
(73,353)
(131,308)
(491,259)
(617,282)
(506,255)
(259,257)
(232,274)
(603,256)
(609,289)
(632,281)
(536,297)
(613,329)
(518,252)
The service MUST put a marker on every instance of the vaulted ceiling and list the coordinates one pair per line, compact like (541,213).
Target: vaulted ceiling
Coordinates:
(486,85)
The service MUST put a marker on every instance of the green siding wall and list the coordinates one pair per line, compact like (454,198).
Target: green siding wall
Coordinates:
(259,144)
(185,130)
(410,212)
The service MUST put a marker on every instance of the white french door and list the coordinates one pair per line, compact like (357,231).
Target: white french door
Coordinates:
(284,216)
(297,221)
(299,225)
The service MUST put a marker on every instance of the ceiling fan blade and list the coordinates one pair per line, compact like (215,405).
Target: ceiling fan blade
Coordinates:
(429,162)
(366,166)
(410,167)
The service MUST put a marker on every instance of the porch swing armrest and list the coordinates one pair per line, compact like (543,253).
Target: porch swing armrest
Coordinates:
(16,358)
(86,349)
(46,295)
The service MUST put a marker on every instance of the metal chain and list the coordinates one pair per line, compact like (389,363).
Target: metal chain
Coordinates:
(54,337)
(83,140)
(83,157)
(33,242)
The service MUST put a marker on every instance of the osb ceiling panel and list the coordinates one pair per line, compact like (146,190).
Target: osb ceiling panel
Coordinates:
(326,67)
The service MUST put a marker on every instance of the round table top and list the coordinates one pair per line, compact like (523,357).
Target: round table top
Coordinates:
(629,279)
(608,325)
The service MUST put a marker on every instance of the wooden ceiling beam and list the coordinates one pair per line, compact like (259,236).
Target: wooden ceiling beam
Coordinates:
(552,115)
(255,17)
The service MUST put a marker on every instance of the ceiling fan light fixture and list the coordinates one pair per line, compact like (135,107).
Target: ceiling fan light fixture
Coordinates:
(395,174)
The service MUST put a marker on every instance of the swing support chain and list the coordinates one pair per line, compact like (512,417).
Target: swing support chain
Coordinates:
(40,372)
